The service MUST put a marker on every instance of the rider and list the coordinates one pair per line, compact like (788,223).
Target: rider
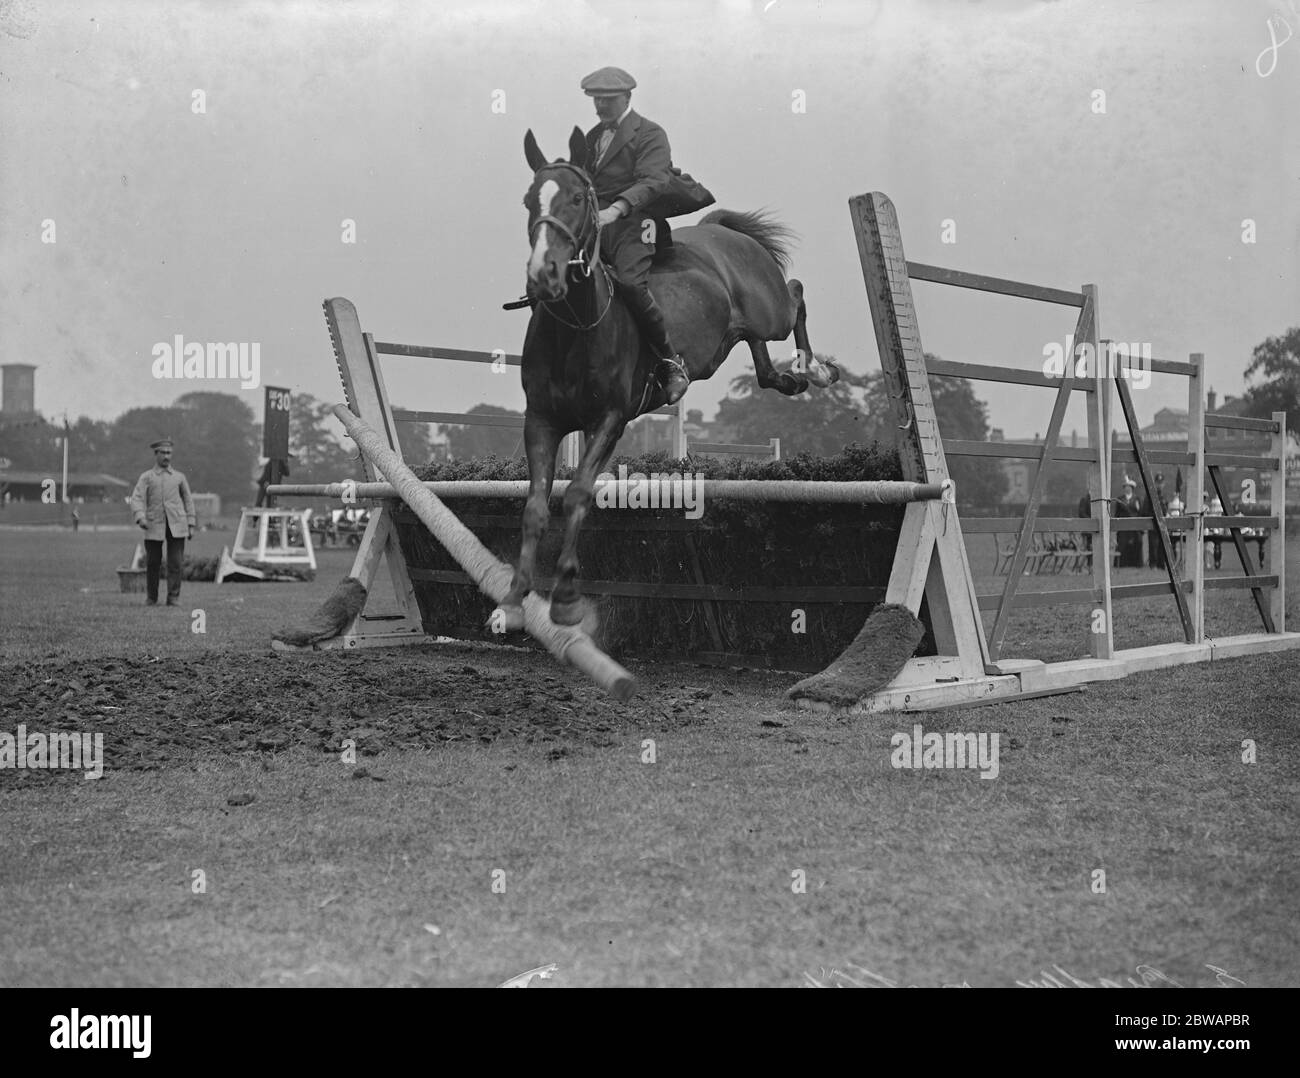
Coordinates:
(630,165)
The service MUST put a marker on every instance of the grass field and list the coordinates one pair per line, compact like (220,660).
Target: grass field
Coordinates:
(483,766)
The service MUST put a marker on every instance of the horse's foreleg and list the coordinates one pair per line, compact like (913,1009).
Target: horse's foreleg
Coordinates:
(541,442)
(567,606)
(820,373)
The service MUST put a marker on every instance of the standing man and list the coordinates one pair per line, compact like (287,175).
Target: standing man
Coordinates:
(1155,553)
(630,163)
(164,508)
(1130,542)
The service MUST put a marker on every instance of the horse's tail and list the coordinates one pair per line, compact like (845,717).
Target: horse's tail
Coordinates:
(760,226)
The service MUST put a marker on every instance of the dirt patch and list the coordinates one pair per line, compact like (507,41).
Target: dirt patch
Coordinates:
(154,711)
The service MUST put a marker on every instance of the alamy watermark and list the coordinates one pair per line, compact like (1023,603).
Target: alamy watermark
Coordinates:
(77,1030)
(195,360)
(672,490)
(947,750)
(57,750)
(1129,359)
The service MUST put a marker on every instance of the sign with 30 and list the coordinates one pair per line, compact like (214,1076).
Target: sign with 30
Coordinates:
(275,429)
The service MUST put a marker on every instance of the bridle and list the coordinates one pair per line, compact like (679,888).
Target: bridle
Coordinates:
(587,254)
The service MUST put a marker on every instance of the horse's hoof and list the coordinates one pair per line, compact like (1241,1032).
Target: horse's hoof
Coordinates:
(823,374)
(506,619)
(579,612)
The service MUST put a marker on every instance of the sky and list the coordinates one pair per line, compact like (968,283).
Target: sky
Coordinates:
(194,164)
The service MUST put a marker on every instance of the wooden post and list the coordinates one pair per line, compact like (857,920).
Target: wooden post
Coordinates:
(1277,540)
(1195,492)
(1101,645)
(931,558)
(567,643)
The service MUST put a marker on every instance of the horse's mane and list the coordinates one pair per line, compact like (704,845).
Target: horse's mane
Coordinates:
(760,226)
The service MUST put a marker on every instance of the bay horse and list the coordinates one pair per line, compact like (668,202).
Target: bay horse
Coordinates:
(586,368)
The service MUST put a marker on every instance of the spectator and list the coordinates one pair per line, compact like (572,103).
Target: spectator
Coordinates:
(1213,536)
(1177,538)
(1155,554)
(164,508)
(1129,542)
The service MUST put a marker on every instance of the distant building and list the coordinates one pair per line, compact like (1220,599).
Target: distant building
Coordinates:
(26,486)
(17,390)
(1168,430)
(1170,426)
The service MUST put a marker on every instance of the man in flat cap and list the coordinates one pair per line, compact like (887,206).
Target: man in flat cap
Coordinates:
(164,508)
(630,163)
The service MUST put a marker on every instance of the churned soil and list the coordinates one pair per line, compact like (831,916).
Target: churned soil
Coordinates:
(155,710)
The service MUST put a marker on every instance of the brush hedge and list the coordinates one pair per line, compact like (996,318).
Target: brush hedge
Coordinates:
(780,585)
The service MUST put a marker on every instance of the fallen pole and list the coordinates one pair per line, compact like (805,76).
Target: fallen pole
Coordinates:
(881,492)
(567,643)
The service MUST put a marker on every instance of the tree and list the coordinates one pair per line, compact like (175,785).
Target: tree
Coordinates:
(465,442)
(31,443)
(126,453)
(90,440)
(216,443)
(857,408)
(318,454)
(820,421)
(223,445)
(981,481)
(1277,361)
(415,442)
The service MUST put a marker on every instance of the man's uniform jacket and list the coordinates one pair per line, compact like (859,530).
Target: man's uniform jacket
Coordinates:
(161,498)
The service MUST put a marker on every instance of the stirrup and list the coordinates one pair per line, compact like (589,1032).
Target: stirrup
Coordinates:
(677,382)
(675,360)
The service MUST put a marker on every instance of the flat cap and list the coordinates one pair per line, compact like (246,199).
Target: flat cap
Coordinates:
(608,80)
(161,443)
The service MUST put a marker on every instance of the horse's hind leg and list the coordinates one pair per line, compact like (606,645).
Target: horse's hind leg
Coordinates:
(769,377)
(820,373)
(541,442)
(567,606)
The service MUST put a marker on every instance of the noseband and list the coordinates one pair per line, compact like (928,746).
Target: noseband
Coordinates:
(586,253)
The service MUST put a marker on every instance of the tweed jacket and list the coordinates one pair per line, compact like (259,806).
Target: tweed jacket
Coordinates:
(637,166)
(161,498)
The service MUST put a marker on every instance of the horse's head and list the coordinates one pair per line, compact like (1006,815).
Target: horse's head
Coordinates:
(562,217)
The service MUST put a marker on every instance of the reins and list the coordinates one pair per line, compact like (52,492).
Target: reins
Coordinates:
(587,256)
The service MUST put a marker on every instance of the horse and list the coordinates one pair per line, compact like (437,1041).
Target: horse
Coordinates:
(585,367)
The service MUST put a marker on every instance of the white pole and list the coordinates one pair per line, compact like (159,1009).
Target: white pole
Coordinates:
(567,643)
(65,459)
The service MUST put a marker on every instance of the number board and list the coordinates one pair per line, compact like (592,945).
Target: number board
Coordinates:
(275,431)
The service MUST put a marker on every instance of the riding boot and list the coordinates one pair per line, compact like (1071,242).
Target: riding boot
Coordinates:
(671,370)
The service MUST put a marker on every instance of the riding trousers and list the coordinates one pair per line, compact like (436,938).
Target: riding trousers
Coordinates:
(625,251)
